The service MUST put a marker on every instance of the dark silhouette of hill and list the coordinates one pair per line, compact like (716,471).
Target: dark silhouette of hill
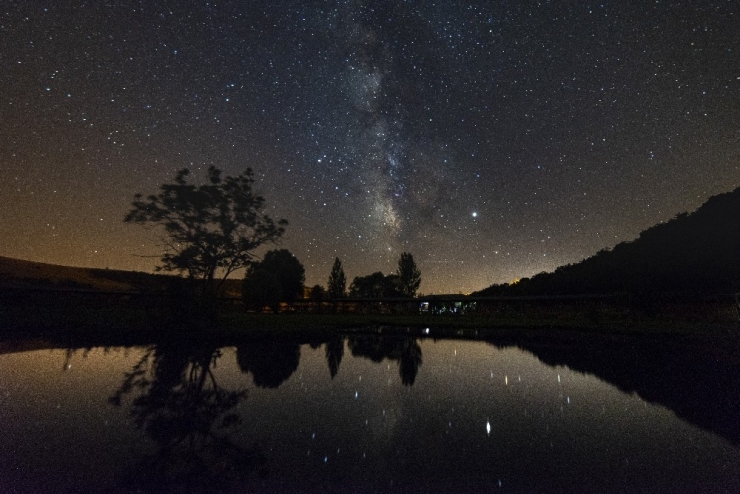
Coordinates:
(697,253)
(18,273)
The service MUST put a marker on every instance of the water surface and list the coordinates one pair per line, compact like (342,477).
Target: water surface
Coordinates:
(362,413)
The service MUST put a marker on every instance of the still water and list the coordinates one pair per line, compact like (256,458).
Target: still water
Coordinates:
(360,413)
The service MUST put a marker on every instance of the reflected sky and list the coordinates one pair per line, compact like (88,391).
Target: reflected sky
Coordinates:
(475,417)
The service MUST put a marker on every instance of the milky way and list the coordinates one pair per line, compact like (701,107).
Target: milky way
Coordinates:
(492,140)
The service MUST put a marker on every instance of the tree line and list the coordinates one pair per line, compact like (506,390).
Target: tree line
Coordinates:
(280,277)
(212,230)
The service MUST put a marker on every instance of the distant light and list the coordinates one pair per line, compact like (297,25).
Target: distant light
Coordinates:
(475,214)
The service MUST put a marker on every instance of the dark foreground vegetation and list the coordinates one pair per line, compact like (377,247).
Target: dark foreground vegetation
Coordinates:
(135,318)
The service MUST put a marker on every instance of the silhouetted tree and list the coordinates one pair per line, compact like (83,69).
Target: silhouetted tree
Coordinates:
(375,285)
(288,270)
(318,294)
(370,286)
(261,288)
(209,229)
(409,276)
(392,286)
(337,280)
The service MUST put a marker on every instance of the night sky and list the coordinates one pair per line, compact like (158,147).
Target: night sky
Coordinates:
(492,140)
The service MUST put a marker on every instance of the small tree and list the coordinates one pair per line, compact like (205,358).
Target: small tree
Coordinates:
(337,280)
(409,276)
(212,229)
(288,270)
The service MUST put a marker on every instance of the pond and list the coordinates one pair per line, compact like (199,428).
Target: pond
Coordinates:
(370,413)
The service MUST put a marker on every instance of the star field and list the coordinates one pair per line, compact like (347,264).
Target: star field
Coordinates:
(493,140)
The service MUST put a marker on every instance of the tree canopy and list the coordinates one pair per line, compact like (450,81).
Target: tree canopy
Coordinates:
(375,285)
(211,230)
(287,269)
(337,280)
(262,288)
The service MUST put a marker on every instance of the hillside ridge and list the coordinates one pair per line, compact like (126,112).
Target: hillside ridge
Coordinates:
(693,253)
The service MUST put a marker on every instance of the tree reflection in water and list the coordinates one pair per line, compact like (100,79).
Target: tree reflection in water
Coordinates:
(404,349)
(271,362)
(180,406)
(334,353)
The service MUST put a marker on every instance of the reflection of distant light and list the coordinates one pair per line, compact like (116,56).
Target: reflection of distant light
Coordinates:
(356,394)
(558,377)
(506,380)
(488,428)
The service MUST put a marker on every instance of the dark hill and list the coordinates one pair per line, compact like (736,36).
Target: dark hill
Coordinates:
(697,253)
(18,273)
